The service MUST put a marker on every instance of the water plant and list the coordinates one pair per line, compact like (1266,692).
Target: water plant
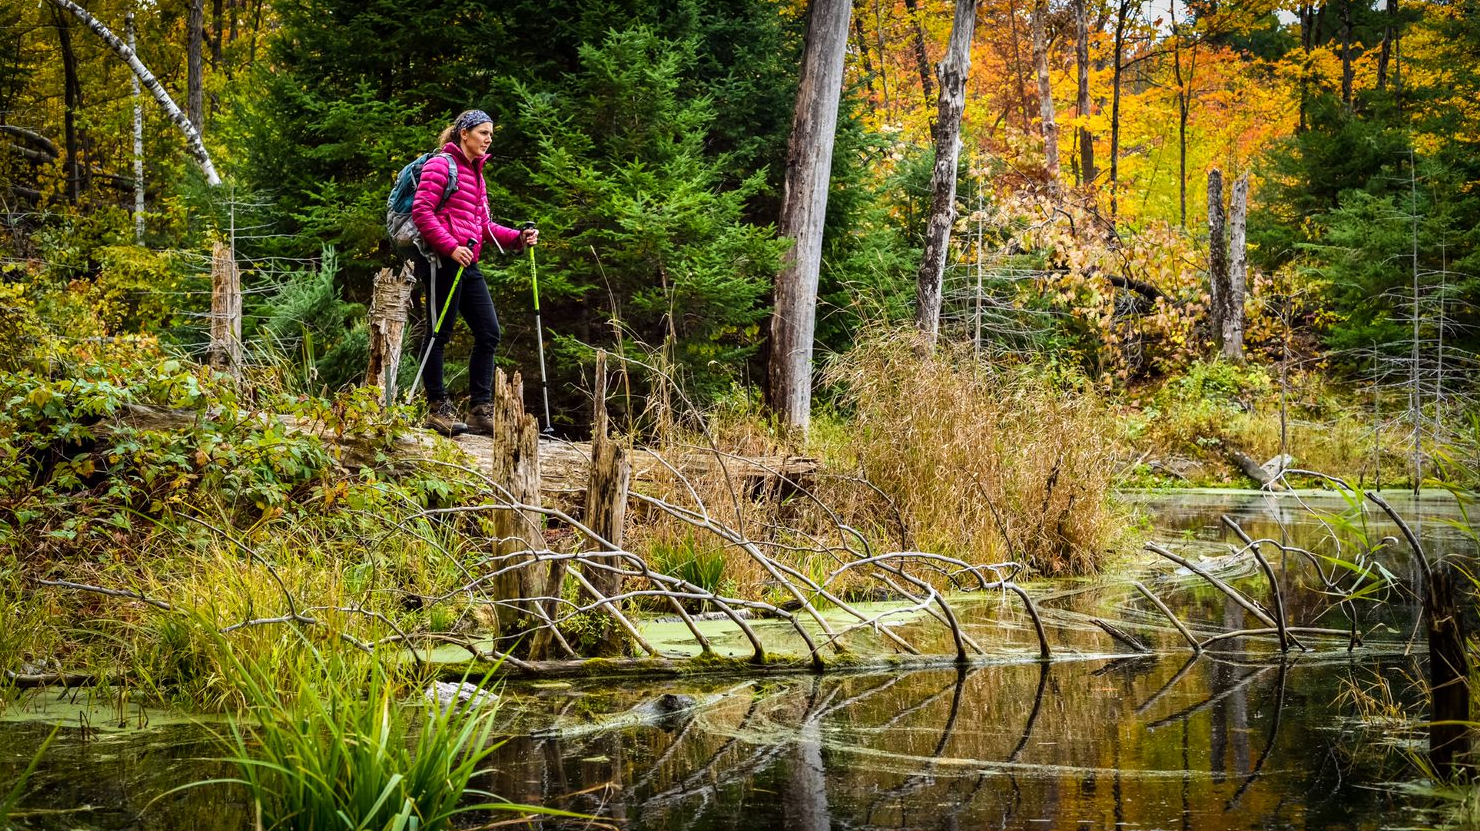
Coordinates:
(316,754)
(12,797)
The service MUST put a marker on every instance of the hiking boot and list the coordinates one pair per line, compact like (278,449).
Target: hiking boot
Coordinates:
(481,420)
(442,417)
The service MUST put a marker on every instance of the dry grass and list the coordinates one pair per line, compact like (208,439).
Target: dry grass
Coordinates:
(984,462)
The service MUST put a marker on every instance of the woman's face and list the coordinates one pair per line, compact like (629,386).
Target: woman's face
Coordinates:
(475,142)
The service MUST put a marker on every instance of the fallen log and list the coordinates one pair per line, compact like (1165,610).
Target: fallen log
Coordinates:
(564,465)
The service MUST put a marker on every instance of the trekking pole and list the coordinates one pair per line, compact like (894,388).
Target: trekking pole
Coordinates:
(539,331)
(431,304)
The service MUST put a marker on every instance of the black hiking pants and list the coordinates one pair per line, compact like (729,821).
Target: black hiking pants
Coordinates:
(471,300)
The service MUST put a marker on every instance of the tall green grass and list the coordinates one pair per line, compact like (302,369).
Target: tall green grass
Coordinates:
(316,754)
(12,797)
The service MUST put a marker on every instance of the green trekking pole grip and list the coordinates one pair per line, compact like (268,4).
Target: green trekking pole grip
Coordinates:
(441,318)
(539,329)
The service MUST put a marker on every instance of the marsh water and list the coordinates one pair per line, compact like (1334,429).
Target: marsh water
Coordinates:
(1101,737)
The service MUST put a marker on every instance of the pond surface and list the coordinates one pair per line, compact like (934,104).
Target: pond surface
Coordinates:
(1103,738)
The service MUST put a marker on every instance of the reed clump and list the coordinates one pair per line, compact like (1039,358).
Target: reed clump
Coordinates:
(992,463)
(315,753)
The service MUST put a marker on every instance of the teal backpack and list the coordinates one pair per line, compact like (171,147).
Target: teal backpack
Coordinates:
(404,235)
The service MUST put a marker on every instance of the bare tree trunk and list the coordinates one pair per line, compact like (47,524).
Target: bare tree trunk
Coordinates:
(1045,96)
(803,207)
(226,313)
(1386,55)
(1122,11)
(1017,66)
(1218,288)
(606,504)
(217,25)
(922,61)
(71,102)
(192,136)
(863,52)
(1087,170)
(1182,108)
(516,467)
(138,98)
(387,324)
(954,69)
(195,104)
(1346,54)
(1238,269)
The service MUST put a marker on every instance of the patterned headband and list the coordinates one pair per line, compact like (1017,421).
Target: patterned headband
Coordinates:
(471,119)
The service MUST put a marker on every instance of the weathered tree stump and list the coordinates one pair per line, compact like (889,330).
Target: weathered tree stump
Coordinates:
(388,307)
(226,312)
(606,502)
(515,466)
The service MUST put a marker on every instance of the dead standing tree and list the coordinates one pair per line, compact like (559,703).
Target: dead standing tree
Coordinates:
(1227,265)
(1045,96)
(226,312)
(803,207)
(953,71)
(388,305)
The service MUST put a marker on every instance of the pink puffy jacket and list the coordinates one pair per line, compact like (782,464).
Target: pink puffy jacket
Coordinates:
(465,216)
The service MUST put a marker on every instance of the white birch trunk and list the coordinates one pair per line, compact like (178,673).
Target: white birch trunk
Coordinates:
(803,207)
(1238,270)
(138,140)
(193,142)
(952,71)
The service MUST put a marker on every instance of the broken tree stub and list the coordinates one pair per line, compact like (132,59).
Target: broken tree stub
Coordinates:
(515,466)
(389,303)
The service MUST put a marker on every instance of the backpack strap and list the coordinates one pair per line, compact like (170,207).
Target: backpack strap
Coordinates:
(451,186)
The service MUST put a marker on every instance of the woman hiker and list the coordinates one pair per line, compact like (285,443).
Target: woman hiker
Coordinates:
(457,233)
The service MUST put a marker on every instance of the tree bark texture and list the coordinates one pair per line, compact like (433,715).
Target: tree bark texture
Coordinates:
(226,312)
(1218,288)
(606,504)
(1385,56)
(1087,170)
(389,302)
(72,100)
(195,30)
(138,99)
(1346,54)
(803,207)
(192,136)
(1049,125)
(922,61)
(1449,672)
(1238,270)
(1122,11)
(515,465)
(954,69)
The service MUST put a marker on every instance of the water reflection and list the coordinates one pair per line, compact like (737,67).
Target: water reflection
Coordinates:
(1239,736)
(1205,743)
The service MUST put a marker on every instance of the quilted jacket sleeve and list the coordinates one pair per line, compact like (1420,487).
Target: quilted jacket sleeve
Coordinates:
(429,190)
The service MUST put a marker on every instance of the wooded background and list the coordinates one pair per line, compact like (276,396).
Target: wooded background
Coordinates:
(649,140)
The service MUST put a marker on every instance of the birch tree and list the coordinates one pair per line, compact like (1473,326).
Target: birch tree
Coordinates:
(953,71)
(803,207)
(193,141)
(137,95)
